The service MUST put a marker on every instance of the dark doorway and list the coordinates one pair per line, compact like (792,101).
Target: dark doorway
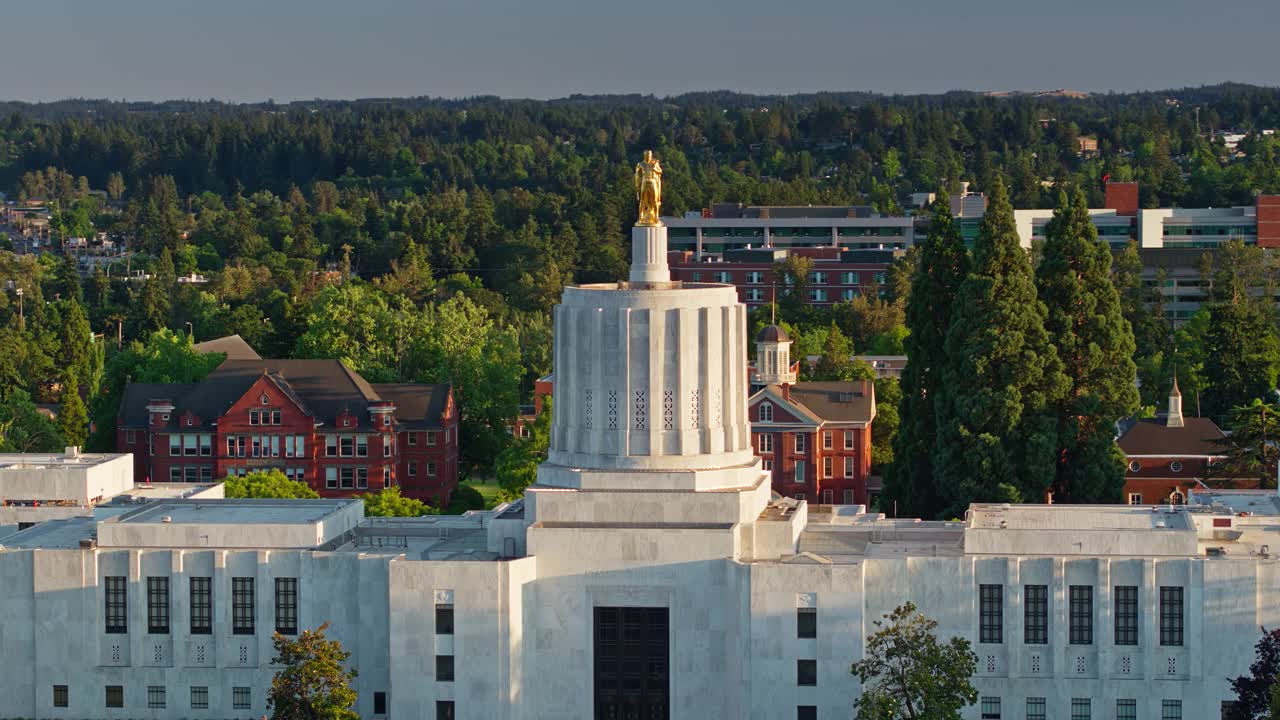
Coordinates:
(632,661)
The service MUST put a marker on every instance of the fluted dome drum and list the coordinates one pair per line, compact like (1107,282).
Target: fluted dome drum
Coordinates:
(650,377)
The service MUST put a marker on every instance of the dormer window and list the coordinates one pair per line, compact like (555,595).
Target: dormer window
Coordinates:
(766,412)
(346,422)
(264,399)
(190,421)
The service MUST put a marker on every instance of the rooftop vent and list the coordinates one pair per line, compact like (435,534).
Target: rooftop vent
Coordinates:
(166,519)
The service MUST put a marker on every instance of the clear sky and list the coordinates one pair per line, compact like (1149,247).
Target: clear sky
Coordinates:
(249,50)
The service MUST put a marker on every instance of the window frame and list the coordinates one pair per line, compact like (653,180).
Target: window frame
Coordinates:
(201,596)
(1035,614)
(807,623)
(445,619)
(199,697)
(241,697)
(157,605)
(445,668)
(1081,709)
(61,696)
(1172,615)
(155,697)
(1036,708)
(116,609)
(1125,603)
(990,614)
(114,696)
(806,672)
(1126,709)
(1080,615)
(242,606)
(286,597)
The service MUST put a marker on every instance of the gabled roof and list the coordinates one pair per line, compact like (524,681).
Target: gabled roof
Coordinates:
(837,401)
(321,388)
(233,346)
(823,402)
(417,406)
(1153,438)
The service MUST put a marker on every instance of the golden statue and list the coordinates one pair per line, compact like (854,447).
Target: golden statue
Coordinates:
(649,189)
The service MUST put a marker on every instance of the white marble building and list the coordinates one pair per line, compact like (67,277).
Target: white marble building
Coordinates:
(648,574)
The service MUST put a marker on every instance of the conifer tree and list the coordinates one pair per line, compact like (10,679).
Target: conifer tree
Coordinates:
(940,268)
(996,436)
(73,419)
(1096,347)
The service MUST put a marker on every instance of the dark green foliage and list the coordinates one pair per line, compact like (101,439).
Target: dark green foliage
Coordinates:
(996,432)
(941,266)
(266,484)
(1095,345)
(465,498)
(73,421)
(23,428)
(1253,447)
(517,466)
(1242,358)
(313,682)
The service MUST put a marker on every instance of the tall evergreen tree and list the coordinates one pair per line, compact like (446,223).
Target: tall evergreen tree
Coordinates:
(996,436)
(1242,357)
(1096,347)
(941,267)
(73,419)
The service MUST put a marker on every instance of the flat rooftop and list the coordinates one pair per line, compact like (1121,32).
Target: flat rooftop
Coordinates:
(1075,517)
(235,512)
(430,537)
(1253,502)
(38,461)
(53,535)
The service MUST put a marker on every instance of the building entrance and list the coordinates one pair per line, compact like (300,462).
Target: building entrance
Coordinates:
(632,678)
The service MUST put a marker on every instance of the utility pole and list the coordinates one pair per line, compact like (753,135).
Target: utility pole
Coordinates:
(22,318)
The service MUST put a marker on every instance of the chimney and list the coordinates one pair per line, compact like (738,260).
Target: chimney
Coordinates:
(1122,197)
(786,391)
(1175,405)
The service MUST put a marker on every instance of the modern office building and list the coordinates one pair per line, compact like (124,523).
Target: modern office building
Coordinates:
(731,226)
(837,275)
(649,573)
(316,421)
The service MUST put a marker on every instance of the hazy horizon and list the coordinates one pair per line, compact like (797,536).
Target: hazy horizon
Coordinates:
(290,50)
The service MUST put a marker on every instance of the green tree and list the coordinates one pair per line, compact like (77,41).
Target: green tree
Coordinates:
(313,682)
(836,362)
(887,422)
(73,421)
(941,267)
(76,341)
(792,275)
(24,429)
(1242,358)
(388,502)
(266,484)
(1253,447)
(907,673)
(517,466)
(996,434)
(1095,345)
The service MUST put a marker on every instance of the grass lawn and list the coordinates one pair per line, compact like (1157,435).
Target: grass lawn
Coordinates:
(487,490)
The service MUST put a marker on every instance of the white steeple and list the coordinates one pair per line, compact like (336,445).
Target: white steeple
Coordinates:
(773,357)
(1175,404)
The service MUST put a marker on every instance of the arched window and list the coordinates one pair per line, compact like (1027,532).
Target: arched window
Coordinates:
(1176,498)
(766,412)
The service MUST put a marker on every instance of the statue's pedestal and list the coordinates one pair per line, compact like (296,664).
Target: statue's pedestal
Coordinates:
(649,254)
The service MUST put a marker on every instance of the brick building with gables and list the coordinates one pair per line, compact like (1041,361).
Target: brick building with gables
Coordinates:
(814,437)
(316,421)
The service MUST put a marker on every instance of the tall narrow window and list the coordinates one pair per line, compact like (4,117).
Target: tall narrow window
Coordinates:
(444,668)
(117,615)
(242,606)
(990,708)
(287,606)
(444,710)
(800,472)
(61,696)
(806,673)
(1126,600)
(766,443)
(848,439)
(1081,620)
(201,606)
(766,412)
(362,446)
(806,622)
(379,703)
(1036,614)
(991,601)
(799,442)
(444,618)
(1170,615)
(158,605)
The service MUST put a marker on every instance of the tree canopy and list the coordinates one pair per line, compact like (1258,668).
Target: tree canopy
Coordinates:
(313,682)
(908,673)
(266,484)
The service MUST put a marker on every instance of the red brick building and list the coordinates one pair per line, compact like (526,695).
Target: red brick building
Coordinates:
(838,275)
(815,437)
(1167,457)
(314,420)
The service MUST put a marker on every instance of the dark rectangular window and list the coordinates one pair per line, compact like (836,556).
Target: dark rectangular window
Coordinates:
(61,696)
(158,605)
(115,696)
(991,613)
(242,606)
(1126,710)
(806,622)
(631,662)
(1036,614)
(1035,708)
(155,697)
(1170,615)
(444,668)
(116,591)
(806,712)
(199,697)
(379,703)
(1171,709)
(444,619)
(201,606)
(1080,708)
(1126,603)
(287,606)
(806,673)
(444,710)
(240,698)
(990,708)
(1081,620)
